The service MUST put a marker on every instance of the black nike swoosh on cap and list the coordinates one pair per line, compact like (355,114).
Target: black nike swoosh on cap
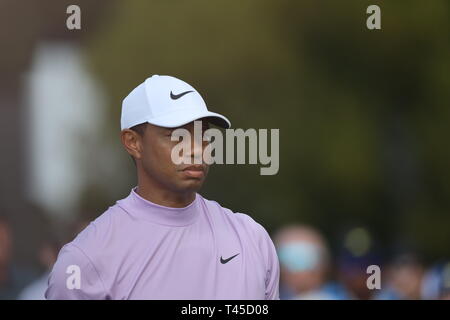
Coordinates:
(223,261)
(178,96)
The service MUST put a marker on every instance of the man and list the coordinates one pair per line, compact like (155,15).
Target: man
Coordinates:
(165,241)
(13,278)
(304,259)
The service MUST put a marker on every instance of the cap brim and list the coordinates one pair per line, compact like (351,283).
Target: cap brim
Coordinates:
(181,118)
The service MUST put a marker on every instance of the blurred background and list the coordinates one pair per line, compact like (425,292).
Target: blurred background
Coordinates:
(364,119)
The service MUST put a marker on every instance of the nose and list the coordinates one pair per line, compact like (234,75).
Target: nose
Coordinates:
(197,147)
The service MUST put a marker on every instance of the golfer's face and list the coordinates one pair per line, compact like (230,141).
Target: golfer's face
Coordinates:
(157,158)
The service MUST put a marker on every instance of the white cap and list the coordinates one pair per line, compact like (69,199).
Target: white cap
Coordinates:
(166,102)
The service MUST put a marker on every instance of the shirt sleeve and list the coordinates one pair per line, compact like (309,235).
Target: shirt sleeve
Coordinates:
(74,277)
(272,265)
(273,273)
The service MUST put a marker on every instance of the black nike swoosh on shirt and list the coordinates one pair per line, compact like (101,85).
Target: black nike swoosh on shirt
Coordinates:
(223,261)
(178,96)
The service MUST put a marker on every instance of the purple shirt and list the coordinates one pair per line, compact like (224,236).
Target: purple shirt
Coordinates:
(140,250)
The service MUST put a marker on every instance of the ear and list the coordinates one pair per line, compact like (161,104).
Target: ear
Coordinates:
(132,142)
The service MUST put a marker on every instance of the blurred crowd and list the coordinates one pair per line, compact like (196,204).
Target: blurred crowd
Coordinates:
(308,268)
(309,271)
(29,282)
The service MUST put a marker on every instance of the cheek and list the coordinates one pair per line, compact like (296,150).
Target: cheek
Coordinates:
(165,153)
(157,157)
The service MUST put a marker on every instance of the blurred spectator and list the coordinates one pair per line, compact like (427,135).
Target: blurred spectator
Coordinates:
(47,253)
(357,253)
(436,282)
(403,279)
(304,262)
(12,277)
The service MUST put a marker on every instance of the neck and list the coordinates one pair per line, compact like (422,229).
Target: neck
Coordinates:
(154,192)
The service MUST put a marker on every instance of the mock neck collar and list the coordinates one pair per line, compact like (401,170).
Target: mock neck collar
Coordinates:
(139,207)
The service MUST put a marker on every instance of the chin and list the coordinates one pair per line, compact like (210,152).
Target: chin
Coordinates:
(191,185)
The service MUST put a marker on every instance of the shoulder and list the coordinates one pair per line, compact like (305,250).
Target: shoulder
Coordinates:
(90,246)
(98,234)
(89,255)
(242,220)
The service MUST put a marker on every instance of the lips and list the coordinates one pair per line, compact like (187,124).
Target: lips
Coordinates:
(195,171)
